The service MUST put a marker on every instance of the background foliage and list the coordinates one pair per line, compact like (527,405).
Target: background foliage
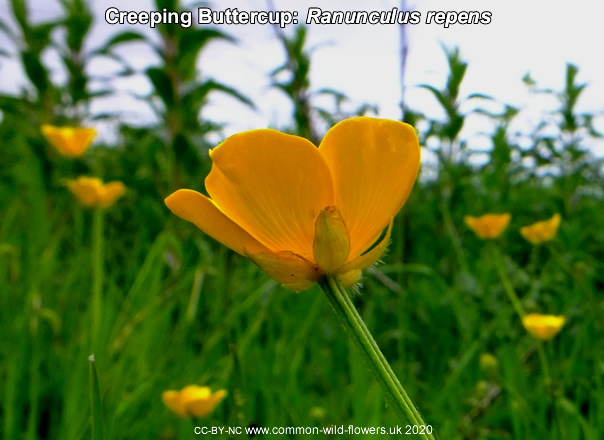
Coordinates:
(180,309)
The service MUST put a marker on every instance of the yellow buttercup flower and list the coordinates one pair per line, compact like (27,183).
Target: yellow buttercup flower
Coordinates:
(543,326)
(489,225)
(300,212)
(542,231)
(69,141)
(193,401)
(92,192)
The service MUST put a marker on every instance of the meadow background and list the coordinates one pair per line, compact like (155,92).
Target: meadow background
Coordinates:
(180,309)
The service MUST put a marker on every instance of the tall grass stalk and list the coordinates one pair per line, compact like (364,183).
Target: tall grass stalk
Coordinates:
(507,284)
(96,417)
(97,274)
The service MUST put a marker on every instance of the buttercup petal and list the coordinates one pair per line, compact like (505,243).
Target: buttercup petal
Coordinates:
(203,213)
(69,141)
(543,326)
(204,406)
(111,192)
(542,231)
(289,269)
(194,392)
(82,138)
(374,164)
(86,189)
(91,192)
(488,226)
(371,257)
(193,400)
(173,401)
(273,185)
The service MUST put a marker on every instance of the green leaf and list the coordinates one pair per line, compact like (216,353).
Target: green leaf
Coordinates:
(121,38)
(186,154)
(100,93)
(442,99)
(163,85)
(38,37)
(299,41)
(35,70)
(78,20)
(78,27)
(326,116)
(457,70)
(126,69)
(501,153)
(480,95)
(510,112)
(569,99)
(170,5)
(452,129)
(191,42)
(196,97)
(20,12)
(528,80)
(8,31)
(412,117)
(103,116)
(77,79)
(339,97)
(277,70)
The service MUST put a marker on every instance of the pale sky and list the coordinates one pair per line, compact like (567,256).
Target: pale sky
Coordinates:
(363,61)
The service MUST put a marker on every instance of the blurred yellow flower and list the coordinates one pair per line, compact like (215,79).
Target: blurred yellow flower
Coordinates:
(300,212)
(91,192)
(542,231)
(488,362)
(543,326)
(489,225)
(69,141)
(193,401)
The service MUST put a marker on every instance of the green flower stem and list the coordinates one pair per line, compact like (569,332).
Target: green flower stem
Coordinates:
(534,260)
(450,228)
(377,363)
(97,274)
(545,364)
(507,284)
(34,369)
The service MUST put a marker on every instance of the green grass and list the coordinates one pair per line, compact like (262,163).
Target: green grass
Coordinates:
(179,309)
